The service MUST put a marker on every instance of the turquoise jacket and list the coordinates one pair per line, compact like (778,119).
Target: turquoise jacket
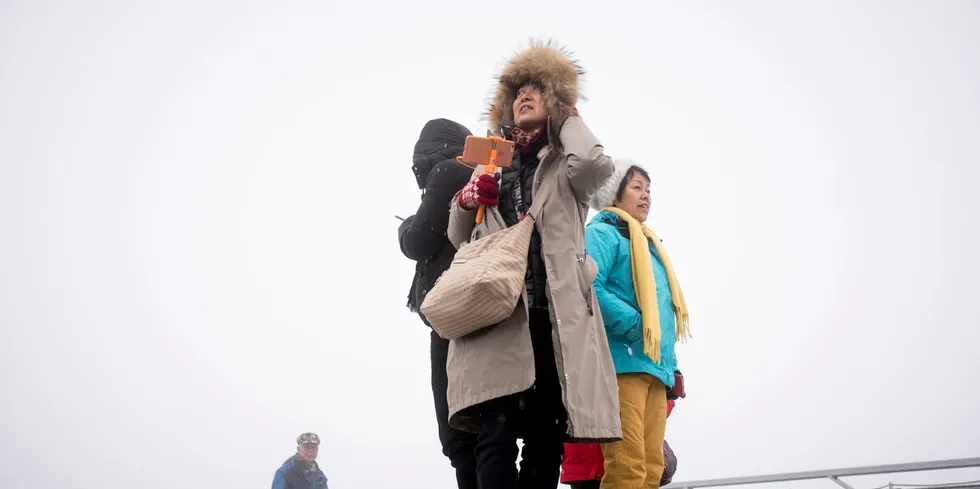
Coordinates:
(607,244)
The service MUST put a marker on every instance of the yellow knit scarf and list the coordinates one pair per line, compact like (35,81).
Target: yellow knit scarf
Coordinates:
(646,286)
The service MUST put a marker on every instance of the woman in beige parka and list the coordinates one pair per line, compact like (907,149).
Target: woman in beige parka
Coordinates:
(545,374)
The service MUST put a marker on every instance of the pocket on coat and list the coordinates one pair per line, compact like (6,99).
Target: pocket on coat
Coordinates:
(587,273)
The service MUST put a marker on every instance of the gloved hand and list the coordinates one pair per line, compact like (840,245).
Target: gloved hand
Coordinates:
(481,190)
(678,391)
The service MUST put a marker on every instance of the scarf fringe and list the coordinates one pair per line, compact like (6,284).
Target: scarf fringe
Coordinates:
(683,330)
(651,344)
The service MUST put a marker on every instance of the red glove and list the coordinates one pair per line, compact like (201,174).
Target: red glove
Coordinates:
(481,190)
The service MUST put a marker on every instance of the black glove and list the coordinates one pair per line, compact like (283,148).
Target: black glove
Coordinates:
(677,391)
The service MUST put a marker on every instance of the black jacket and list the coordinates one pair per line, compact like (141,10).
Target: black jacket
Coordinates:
(422,237)
(526,164)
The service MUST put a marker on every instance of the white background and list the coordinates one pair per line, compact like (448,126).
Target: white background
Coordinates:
(199,259)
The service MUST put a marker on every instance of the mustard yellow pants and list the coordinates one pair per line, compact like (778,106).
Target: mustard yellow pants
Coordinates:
(637,462)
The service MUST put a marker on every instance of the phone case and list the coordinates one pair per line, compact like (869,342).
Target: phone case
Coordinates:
(476,151)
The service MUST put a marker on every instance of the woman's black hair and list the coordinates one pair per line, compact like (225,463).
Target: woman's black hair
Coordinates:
(632,172)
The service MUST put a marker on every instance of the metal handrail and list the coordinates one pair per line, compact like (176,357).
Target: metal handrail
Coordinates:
(833,475)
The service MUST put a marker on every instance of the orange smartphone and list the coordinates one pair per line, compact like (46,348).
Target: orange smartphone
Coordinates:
(476,151)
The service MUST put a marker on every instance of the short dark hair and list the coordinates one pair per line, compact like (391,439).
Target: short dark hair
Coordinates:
(632,172)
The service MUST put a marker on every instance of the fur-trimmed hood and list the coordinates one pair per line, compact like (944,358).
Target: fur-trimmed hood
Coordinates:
(549,66)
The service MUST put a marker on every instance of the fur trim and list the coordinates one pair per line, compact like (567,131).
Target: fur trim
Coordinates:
(606,194)
(547,65)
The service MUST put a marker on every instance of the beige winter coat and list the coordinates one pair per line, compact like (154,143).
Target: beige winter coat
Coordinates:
(499,360)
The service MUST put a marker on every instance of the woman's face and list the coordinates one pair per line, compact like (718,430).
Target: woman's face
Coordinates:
(529,110)
(636,197)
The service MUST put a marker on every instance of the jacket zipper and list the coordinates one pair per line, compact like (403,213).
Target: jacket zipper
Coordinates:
(588,293)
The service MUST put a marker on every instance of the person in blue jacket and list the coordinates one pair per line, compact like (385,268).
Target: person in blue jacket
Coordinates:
(301,470)
(644,313)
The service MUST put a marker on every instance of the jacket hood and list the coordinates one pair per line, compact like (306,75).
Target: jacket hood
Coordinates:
(605,217)
(547,65)
(608,218)
(440,140)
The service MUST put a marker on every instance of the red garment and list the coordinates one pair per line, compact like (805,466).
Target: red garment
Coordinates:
(583,462)
(481,190)
(524,139)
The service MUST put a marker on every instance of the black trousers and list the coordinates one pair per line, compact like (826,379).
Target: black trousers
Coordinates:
(536,415)
(584,485)
(458,446)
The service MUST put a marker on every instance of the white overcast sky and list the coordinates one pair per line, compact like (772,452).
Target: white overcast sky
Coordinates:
(199,261)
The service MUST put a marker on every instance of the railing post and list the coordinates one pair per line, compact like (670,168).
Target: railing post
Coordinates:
(836,480)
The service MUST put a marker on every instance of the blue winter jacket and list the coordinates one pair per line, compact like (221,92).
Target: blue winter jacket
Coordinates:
(607,243)
(292,476)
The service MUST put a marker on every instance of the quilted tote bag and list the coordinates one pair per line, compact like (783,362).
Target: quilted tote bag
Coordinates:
(484,282)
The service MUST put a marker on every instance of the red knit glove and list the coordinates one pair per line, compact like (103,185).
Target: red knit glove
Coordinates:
(481,190)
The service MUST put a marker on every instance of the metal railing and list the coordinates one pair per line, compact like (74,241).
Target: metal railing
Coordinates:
(835,475)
